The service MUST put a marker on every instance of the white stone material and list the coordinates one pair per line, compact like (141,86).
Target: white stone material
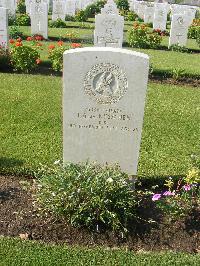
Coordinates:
(58,10)
(109,27)
(148,14)
(70,7)
(3,27)
(103,105)
(160,16)
(11,6)
(39,18)
(179,30)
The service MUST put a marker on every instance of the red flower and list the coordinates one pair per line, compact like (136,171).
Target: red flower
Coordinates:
(51,46)
(38,61)
(19,40)
(39,38)
(60,43)
(29,39)
(18,44)
(11,41)
(76,45)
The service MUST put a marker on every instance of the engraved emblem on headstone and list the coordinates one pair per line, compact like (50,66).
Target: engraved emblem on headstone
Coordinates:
(106,83)
(180,20)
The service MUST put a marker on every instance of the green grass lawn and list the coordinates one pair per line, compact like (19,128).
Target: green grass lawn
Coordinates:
(14,252)
(31,125)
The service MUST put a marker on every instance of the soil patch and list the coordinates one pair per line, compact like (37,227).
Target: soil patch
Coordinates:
(18,218)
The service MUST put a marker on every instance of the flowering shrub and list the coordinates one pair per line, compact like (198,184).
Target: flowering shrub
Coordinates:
(161,32)
(87,195)
(179,199)
(140,36)
(23,58)
(56,54)
(130,16)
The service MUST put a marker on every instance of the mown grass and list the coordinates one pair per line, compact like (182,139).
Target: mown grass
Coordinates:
(14,252)
(31,125)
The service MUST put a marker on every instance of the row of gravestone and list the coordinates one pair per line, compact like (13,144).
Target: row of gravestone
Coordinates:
(156,13)
(103,104)
(109,24)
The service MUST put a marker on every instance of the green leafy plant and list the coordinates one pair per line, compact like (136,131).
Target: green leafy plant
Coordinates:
(69,18)
(59,23)
(56,55)
(177,73)
(87,195)
(123,5)
(15,32)
(131,16)
(93,9)
(23,20)
(11,20)
(178,48)
(81,16)
(24,58)
(21,7)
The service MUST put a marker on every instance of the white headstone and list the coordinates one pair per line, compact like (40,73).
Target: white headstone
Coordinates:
(109,27)
(70,7)
(148,14)
(39,18)
(160,16)
(103,105)
(11,6)
(179,30)
(58,10)
(3,27)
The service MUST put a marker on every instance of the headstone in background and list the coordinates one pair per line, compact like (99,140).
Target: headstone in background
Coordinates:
(11,6)
(160,16)
(3,27)
(148,14)
(103,105)
(179,30)
(70,7)
(39,18)
(109,27)
(58,10)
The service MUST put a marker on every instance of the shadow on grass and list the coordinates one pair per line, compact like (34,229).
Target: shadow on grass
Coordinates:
(10,162)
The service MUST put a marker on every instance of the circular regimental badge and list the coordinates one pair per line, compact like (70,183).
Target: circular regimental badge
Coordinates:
(106,83)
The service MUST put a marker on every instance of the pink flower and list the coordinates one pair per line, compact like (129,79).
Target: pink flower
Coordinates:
(187,187)
(156,197)
(168,193)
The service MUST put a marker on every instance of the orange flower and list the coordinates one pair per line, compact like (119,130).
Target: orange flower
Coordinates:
(51,47)
(11,41)
(38,44)
(18,44)
(60,43)
(19,40)
(76,45)
(38,61)
(29,39)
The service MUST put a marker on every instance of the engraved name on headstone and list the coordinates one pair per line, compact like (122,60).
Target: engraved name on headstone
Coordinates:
(160,16)
(103,105)
(58,10)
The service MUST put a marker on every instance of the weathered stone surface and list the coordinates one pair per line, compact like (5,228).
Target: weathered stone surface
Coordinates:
(4,27)
(103,105)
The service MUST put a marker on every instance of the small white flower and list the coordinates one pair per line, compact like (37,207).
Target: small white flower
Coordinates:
(78,190)
(57,162)
(109,180)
